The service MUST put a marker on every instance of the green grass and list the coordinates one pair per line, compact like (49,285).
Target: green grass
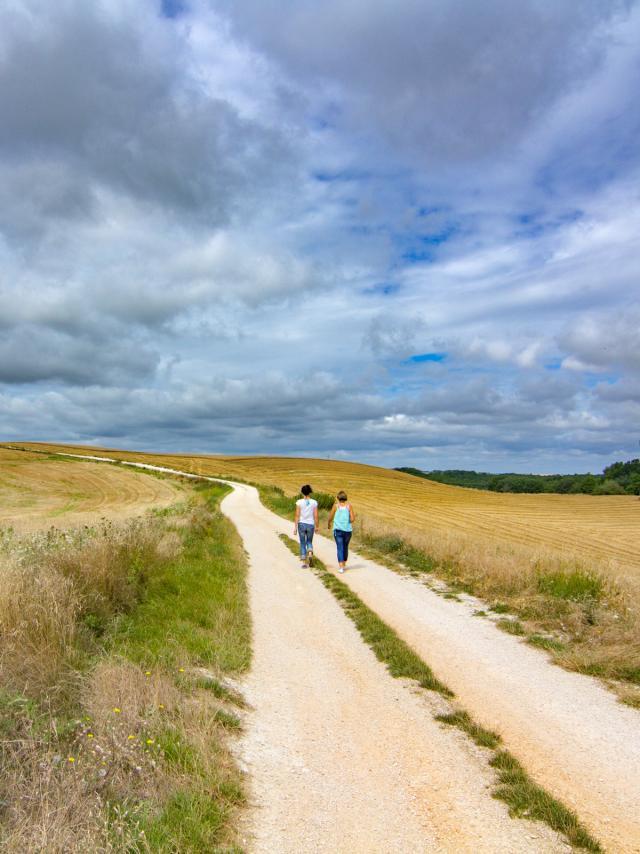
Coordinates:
(195,610)
(500,608)
(482,737)
(400,551)
(543,642)
(222,692)
(192,822)
(525,799)
(574,585)
(511,627)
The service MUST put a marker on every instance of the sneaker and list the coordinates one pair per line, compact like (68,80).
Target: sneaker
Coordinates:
(341,569)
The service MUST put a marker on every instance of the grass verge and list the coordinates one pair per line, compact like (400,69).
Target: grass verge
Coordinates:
(115,704)
(523,796)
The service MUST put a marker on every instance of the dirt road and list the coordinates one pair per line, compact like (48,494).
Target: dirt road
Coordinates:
(342,757)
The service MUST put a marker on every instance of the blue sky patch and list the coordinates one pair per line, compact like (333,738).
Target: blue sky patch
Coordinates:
(173,8)
(427,357)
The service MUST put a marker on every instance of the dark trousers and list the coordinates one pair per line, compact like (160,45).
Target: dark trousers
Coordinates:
(342,542)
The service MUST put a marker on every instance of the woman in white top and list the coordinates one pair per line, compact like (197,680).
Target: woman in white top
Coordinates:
(305,523)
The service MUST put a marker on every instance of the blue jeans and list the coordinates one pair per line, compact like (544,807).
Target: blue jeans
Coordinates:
(342,542)
(305,532)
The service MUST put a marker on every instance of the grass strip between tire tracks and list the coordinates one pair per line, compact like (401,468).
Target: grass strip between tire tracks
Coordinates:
(524,798)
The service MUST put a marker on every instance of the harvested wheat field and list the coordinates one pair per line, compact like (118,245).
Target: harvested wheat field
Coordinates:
(37,491)
(602,531)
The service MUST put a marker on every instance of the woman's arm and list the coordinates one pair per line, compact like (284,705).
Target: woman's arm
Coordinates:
(331,515)
(352,515)
(296,520)
(315,517)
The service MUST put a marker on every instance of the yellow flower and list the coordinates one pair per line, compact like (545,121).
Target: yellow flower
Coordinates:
(150,741)
(89,735)
(181,670)
(116,710)
(130,737)
(147,673)
(71,759)
(161,705)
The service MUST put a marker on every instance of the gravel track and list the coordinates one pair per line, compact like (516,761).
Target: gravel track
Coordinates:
(341,756)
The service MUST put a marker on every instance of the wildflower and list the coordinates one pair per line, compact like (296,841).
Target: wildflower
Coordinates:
(147,673)
(131,737)
(89,735)
(161,705)
(181,670)
(71,759)
(150,740)
(116,710)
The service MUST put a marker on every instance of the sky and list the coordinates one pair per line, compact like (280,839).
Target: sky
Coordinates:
(402,232)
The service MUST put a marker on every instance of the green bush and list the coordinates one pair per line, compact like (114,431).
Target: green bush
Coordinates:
(575,585)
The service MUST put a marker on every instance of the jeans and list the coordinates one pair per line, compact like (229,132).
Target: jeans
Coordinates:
(305,532)
(342,542)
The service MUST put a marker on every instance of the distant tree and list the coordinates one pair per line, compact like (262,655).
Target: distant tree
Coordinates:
(587,484)
(609,487)
(633,487)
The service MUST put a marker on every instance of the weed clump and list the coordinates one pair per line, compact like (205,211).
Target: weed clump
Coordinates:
(574,585)
(525,799)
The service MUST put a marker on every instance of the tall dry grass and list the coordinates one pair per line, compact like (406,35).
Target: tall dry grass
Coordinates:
(57,591)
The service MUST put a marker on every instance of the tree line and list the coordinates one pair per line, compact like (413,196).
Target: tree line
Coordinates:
(622,478)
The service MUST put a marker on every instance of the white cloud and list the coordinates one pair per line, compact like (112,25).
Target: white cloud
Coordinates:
(231,230)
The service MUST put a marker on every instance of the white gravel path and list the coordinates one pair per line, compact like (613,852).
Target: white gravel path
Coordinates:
(341,756)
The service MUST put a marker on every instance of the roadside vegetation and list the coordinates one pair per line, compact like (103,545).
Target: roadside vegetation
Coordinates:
(524,798)
(117,644)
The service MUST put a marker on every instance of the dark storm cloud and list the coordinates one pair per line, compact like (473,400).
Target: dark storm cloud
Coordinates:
(101,95)
(32,354)
(445,82)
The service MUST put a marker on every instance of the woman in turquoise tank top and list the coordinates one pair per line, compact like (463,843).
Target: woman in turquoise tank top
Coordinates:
(342,518)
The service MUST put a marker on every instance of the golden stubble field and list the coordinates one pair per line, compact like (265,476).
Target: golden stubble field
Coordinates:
(603,531)
(37,492)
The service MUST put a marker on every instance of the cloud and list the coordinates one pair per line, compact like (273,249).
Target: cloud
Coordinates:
(447,85)
(607,341)
(227,229)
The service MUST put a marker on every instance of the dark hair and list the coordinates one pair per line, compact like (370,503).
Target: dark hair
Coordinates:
(306,489)
(342,495)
